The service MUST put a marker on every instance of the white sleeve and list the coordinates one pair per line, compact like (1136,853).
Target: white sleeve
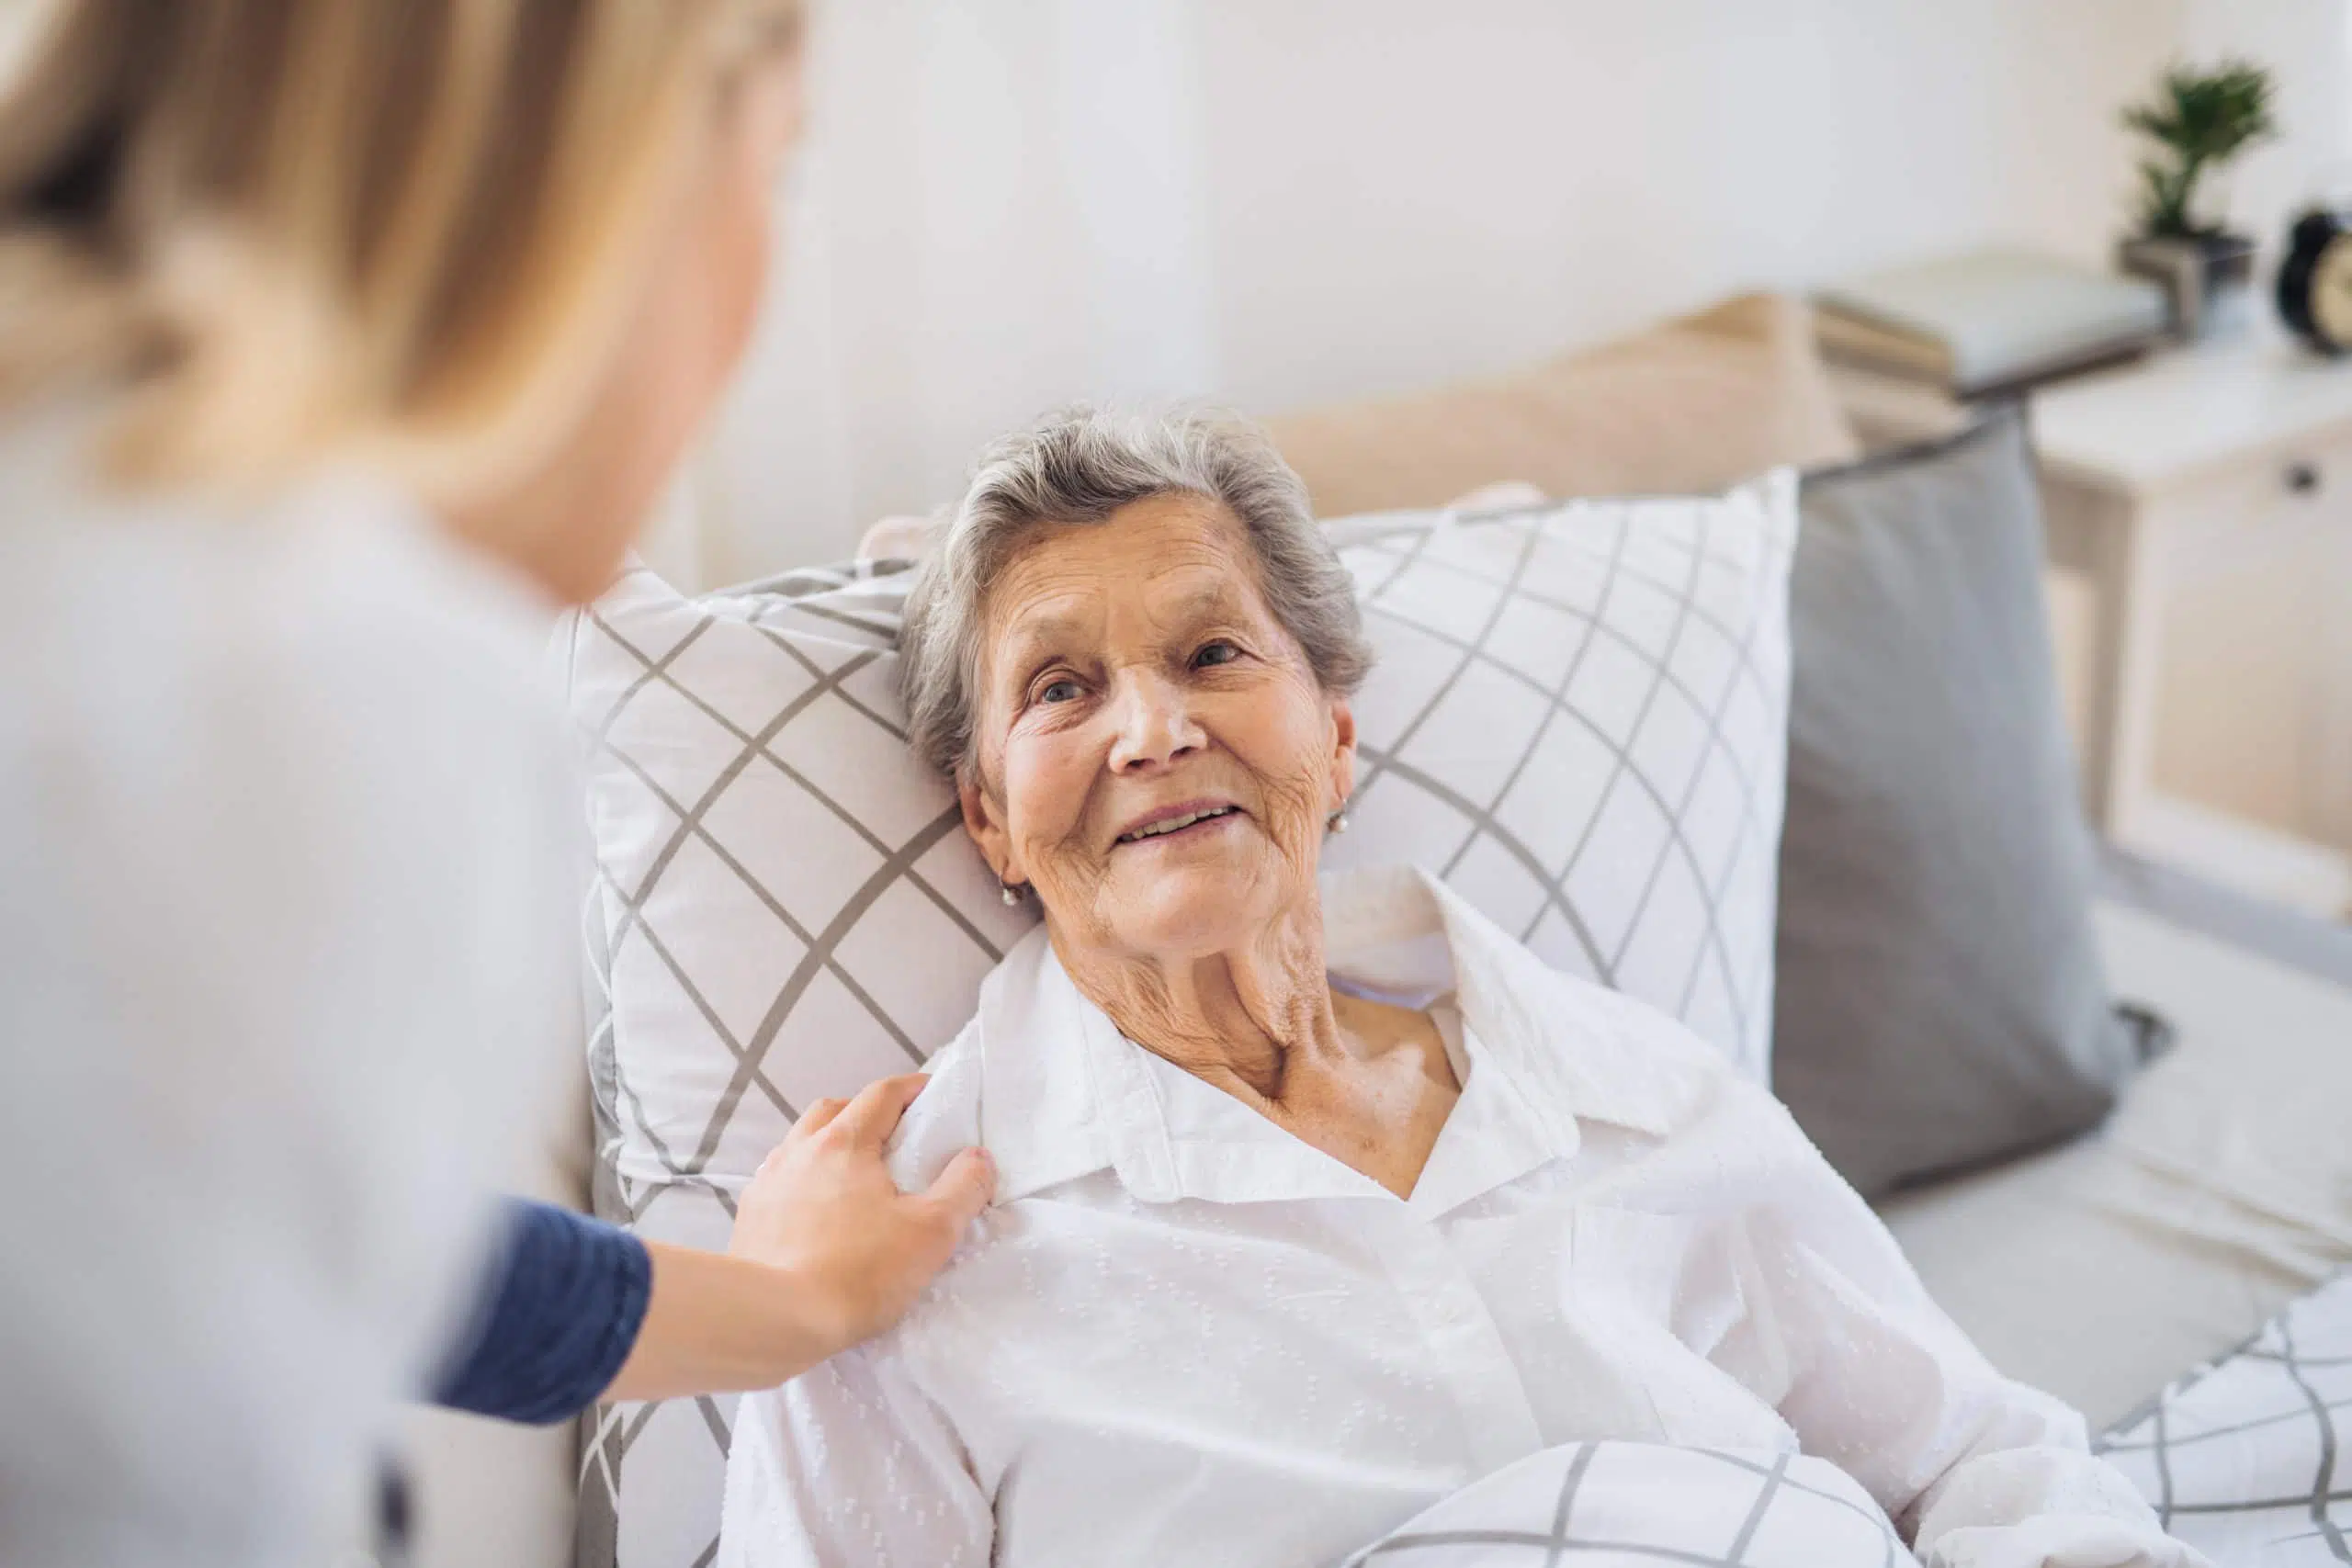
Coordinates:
(851,1466)
(1976,1469)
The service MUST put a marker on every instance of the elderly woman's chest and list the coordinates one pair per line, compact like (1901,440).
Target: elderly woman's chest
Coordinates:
(1629,1321)
(1139,1335)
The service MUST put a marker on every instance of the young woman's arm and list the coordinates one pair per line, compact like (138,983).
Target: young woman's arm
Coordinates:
(826,1253)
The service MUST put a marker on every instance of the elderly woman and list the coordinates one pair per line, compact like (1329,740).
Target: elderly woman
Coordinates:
(1317,1204)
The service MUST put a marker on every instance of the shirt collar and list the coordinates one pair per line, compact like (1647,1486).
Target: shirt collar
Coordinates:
(1063,1094)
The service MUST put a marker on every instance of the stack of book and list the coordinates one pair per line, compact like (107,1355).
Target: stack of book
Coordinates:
(1988,322)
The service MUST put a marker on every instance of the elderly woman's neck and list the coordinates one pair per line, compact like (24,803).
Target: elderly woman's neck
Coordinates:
(1240,1018)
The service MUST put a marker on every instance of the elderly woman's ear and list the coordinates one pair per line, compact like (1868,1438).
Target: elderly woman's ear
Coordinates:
(1343,756)
(984,821)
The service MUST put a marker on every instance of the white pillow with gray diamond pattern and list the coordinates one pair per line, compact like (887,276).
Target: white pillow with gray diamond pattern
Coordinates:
(1577,718)
(786,907)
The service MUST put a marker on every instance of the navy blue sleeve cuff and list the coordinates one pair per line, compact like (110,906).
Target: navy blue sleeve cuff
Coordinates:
(560,1312)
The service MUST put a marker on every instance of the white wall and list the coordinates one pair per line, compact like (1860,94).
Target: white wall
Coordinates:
(1477,183)
(1013,203)
(2309,44)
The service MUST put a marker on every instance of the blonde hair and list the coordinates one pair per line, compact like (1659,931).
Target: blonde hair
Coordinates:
(280,229)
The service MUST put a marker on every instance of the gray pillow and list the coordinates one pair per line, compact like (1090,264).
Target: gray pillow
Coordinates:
(1941,1000)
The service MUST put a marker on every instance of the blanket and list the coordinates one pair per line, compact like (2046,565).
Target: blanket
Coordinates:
(1611,1505)
(2246,1457)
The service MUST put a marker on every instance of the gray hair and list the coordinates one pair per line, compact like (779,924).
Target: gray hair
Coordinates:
(1081,465)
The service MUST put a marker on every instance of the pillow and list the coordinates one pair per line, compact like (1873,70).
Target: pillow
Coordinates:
(768,854)
(1685,409)
(1942,1002)
(1577,719)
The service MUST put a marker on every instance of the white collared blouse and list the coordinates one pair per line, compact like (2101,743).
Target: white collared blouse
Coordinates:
(1183,1335)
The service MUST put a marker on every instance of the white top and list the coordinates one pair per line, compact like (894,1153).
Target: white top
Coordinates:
(2189,414)
(287,825)
(1184,1336)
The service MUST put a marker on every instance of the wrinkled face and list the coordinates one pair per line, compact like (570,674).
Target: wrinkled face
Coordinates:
(1155,756)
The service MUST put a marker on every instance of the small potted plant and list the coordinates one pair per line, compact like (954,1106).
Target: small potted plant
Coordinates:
(2199,120)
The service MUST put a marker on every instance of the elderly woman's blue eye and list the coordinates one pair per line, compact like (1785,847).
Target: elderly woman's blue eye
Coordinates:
(1062,691)
(1217,653)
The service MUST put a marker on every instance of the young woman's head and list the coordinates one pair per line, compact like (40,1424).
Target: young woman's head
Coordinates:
(507,249)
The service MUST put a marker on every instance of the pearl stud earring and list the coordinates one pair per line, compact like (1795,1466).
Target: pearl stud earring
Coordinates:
(1338,821)
(1009,892)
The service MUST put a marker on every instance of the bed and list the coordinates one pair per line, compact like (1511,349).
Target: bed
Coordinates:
(2219,1190)
(2107,1270)
(2103,1270)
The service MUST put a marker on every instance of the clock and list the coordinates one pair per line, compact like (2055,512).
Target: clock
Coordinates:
(2315,280)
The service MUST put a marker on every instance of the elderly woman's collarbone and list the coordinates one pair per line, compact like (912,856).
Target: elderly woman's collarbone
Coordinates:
(1378,1103)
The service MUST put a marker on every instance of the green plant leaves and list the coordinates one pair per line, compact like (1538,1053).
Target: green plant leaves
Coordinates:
(2200,118)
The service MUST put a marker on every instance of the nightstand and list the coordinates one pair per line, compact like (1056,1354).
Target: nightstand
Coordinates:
(2205,496)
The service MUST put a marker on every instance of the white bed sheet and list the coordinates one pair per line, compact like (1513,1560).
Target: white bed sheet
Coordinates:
(2219,1190)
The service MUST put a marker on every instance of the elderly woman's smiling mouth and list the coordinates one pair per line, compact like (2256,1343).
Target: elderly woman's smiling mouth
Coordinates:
(1190,818)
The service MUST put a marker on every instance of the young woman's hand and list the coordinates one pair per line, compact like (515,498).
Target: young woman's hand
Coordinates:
(823,1212)
(827,1252)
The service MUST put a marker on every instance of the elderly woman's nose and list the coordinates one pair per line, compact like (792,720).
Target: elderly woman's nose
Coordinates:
(1153,721)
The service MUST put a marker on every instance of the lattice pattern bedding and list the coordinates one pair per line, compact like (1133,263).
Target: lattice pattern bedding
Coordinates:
(1614,1505)
(2245,1457)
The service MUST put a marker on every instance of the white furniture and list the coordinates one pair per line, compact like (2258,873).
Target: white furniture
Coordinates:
(2206,495)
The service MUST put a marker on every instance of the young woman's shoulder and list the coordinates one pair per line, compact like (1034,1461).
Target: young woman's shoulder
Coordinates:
(288,641)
